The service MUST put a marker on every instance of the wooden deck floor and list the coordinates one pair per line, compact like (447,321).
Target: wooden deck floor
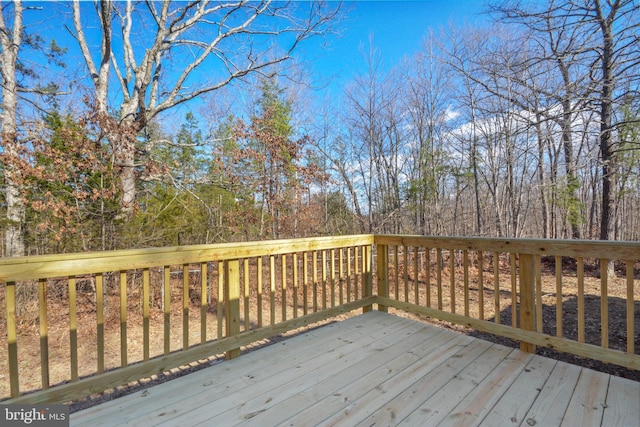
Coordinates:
(382,370)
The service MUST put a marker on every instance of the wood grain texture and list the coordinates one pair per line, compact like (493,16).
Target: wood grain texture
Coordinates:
(380,369)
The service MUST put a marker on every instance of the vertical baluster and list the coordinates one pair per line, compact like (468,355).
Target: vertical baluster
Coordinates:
(559,297)
(514,291)
(283,279)
(405,276)
(185,306)
(439,276)
(324,279)
(341,273)
(465,279)
(123,319)
(247,320)
(305,283)
(357,280)
(630,308)
(427,261)
(480,285)
(12,338)
(44,333)
(396,267)
(314,279)
(100,319)
(604,303)
(416,276)
(349,274)
(221,300)
(259,284)
(203,302)
(73,328)
(166,308)
(332,281)
(295,267)
(452,279)
(272,289)
(496,286)
(580,261)
(145,314)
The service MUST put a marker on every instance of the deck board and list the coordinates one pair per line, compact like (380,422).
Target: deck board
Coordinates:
(379,369)
(522,393)
(623,400)
(336,389)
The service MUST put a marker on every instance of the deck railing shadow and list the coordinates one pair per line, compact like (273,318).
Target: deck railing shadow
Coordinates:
(592,335)
(466,281)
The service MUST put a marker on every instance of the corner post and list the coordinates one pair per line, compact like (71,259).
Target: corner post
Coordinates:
(232,302)
(527,299)
(382,274)
(367,282)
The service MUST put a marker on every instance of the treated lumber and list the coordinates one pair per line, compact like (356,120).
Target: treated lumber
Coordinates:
(436,408)
(569,248)
(63,265)
(551,403)
(519,397)
(172,399)
(341,391)
(423,372)
(586,407)
(87,386)
(295,391)
(623,399)
(380,369)
(631,361)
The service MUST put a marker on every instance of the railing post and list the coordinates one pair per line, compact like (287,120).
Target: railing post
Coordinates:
(367,282)
(382,274)
(527,299)
(10,296)
(232,302)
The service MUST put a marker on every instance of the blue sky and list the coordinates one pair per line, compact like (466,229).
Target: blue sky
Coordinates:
(398,28)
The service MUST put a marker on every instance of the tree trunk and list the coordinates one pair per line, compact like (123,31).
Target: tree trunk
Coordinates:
(541,179)
(607,152)
(10,40)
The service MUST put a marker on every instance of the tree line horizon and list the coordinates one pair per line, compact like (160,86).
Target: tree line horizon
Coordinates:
(192,122)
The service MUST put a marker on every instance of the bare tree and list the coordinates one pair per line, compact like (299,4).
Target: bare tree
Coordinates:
(461,56)
(428,89)
(594,46)
(377,140)
(170,53)
(365,129)
(10,41)
(618,53)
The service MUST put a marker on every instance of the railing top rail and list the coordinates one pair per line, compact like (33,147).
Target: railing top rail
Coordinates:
(573,248)
(62,265)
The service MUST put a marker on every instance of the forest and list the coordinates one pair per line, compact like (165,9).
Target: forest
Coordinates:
(188,122)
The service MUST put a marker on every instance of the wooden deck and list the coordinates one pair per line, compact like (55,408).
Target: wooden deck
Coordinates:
(379,369)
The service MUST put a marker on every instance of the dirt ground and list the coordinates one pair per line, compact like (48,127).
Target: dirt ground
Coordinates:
(281,304)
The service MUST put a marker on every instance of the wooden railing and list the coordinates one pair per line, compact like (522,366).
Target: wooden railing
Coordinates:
(547,293)
(150,311)
(192,303)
